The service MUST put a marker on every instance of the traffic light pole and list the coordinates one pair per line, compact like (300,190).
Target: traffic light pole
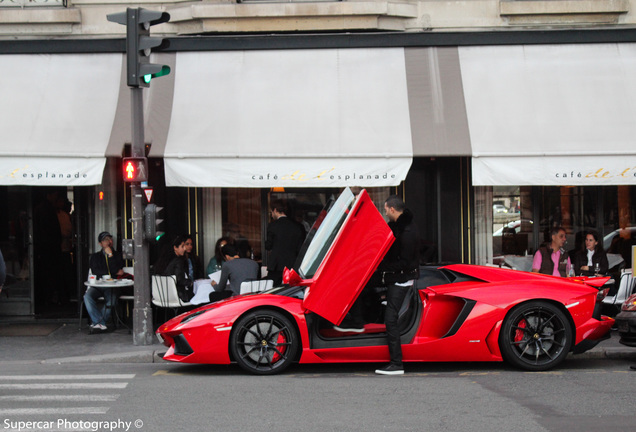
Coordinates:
(143,330)
(139,72)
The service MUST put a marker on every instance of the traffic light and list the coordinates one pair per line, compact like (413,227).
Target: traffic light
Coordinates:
(135,169)
(139,44)
(152,223)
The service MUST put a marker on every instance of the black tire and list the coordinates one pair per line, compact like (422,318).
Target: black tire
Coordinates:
(264,342)
(535,336)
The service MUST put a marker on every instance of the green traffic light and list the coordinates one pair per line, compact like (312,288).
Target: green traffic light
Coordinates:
(161,70)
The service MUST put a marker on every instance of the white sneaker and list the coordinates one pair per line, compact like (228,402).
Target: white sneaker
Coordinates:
(98,328)
(390,369)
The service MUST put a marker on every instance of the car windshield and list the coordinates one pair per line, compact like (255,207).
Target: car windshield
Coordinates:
(323,234)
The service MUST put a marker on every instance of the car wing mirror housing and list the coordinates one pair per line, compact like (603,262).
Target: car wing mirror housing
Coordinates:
(290,277)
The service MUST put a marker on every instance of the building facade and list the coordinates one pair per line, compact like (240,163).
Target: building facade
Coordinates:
(495,120)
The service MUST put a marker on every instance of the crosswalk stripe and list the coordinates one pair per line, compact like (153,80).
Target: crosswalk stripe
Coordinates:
(57,411)
(22,384)
(63,386)
(66,377)
(65,398)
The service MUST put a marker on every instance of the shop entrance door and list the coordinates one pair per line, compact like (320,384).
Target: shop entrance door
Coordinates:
(43,242)
(15,243)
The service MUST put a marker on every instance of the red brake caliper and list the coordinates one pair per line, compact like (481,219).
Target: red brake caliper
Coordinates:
(281,347)
(520,333)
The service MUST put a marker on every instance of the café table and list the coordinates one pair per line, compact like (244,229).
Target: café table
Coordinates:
(110,284)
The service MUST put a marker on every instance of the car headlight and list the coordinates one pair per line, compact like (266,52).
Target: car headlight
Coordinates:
(630,304)
(192,316)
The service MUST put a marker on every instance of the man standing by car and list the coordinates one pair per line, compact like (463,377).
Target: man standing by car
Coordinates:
(399,270)
(284,239)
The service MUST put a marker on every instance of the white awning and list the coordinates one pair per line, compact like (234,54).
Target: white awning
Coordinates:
(56,117)
(551,114)
(290,118)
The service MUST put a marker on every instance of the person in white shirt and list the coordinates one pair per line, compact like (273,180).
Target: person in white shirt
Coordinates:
(592,260)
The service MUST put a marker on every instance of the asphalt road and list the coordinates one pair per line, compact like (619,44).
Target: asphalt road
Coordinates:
(582,395)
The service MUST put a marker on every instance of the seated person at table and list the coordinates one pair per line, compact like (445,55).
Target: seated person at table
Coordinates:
(235,271)
(216,262)
(195,268)
(107,262)
(174,263)
(551,258)
(591,257)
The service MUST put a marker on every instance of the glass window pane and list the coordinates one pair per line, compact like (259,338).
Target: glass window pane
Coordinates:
(620,221)
(512,230)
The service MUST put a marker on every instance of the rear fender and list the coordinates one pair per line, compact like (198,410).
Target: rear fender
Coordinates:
(493,337)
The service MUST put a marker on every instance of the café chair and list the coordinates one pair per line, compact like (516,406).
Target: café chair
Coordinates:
(129,300)
(165,296)
(252,286)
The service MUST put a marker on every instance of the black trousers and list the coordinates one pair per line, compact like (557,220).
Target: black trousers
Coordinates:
(394,298)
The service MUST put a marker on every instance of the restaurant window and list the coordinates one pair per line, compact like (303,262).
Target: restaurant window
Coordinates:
(522,218)
(242,219)
(512,221)
(619,221)
(304,205)
(572,208)
(246,212)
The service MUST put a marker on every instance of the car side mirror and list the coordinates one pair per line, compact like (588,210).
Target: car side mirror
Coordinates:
(290,277)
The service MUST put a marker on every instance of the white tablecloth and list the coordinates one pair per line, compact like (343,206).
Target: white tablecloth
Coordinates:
(203,287)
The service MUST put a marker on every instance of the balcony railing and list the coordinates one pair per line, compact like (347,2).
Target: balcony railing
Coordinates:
(32,3)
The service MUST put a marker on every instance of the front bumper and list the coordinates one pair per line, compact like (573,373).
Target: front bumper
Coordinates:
(195,341)
(626,324)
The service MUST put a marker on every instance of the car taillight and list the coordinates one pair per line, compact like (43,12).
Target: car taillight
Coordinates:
(630,304)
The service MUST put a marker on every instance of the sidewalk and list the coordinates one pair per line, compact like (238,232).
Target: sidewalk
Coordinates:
(67,344)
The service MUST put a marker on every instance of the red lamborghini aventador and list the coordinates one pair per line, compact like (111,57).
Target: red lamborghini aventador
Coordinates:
(453,313)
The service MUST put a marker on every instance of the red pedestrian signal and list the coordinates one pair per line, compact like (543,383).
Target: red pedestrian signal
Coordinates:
(135,169)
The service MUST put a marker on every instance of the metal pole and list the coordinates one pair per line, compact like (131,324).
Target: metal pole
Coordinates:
(143,331)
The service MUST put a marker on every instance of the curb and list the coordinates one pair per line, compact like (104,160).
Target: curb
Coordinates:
(153,356)
(609,353)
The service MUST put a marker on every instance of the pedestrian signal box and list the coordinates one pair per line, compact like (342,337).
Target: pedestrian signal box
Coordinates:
(135,169)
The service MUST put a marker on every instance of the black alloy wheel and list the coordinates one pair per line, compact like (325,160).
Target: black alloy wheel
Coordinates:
(264,342)
(535,336)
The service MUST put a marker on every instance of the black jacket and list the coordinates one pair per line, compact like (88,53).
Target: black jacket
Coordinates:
(197,267)
(101,265)
(580,260)
(178,267)
(402,261)
(284,240)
